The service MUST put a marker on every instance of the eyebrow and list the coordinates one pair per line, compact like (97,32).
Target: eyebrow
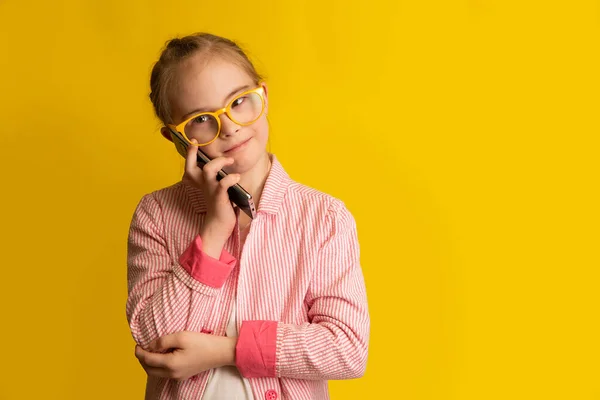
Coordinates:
(204,109)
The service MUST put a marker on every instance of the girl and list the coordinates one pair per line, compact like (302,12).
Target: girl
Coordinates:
(223,306)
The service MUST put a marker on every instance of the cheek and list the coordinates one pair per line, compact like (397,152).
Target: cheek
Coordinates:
(260,133)
(261,130)
(212,150)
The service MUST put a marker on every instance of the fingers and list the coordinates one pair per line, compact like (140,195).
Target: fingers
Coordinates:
(210,170)
(153,360)
(167,342)
(191,163)
(142,355)
(226,183)
(206,174)
(161,365)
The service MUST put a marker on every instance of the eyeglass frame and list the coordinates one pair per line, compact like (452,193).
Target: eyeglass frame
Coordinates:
(260,90)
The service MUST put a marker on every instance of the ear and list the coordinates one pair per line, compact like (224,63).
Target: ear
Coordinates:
(264,85)
(165,132)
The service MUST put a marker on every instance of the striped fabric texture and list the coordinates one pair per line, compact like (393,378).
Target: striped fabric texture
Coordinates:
(301,298)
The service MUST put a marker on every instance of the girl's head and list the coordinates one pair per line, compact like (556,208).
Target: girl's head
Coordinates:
(204,73)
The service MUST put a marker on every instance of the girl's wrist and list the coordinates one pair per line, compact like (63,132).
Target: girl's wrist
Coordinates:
(212,249)
(212,245)
(229,350)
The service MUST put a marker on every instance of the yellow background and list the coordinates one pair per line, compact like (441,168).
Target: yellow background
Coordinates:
(462,135)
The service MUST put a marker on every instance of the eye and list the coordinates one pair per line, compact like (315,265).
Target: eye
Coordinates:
(238,101)
(200,119)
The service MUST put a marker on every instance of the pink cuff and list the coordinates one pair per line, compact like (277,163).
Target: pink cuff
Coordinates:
(204,268)
(255,349)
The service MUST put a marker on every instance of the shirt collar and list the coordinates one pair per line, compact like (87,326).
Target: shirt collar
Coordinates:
(272,195)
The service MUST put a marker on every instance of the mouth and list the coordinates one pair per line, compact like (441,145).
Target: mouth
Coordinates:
(237,147)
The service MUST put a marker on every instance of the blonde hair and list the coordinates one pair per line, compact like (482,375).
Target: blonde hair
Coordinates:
(179,49)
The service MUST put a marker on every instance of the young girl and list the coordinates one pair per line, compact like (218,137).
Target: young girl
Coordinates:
(223,306)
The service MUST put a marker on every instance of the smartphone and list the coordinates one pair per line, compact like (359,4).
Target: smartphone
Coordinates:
(237,194)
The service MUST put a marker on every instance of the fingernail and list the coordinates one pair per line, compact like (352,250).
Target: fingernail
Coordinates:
(194,141)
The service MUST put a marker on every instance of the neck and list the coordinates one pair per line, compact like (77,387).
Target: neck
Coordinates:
(254,179)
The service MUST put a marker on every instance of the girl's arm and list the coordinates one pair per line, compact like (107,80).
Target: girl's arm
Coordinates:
(164,298)
(334,343)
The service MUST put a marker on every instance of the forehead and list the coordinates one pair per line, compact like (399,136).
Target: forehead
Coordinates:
(205,83)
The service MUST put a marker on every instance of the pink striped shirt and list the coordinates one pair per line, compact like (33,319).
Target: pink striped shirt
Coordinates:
(301,299)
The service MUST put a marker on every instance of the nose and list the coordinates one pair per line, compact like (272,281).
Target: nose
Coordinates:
(228,127)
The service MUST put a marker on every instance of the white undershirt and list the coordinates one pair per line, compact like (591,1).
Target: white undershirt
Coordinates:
(226,383)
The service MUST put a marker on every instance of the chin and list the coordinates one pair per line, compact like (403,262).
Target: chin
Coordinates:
(247,159)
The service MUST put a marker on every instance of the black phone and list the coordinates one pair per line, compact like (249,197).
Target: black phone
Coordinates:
(237,194)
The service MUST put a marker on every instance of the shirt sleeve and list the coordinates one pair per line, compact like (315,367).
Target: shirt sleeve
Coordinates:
(334,343)
(164,295)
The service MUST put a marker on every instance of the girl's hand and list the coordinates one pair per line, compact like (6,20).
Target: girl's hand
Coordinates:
(220,217)
(184,354)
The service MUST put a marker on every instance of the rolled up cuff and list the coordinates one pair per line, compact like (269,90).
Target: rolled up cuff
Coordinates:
(204,268)
(255,351)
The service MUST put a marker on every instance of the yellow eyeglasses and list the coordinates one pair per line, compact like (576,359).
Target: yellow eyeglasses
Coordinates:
(205,127)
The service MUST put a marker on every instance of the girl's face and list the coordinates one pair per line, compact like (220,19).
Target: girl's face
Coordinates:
(209,86)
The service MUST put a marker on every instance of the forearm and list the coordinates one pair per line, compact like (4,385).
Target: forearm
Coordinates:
(211,244)
(164,311)
(319,351)
(186,288)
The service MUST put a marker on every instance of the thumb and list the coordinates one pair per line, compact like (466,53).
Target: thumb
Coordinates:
(164,343)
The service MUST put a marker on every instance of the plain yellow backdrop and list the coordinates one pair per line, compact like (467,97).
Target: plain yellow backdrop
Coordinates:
(462,135)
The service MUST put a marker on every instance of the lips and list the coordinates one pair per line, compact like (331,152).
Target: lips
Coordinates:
(237,146)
